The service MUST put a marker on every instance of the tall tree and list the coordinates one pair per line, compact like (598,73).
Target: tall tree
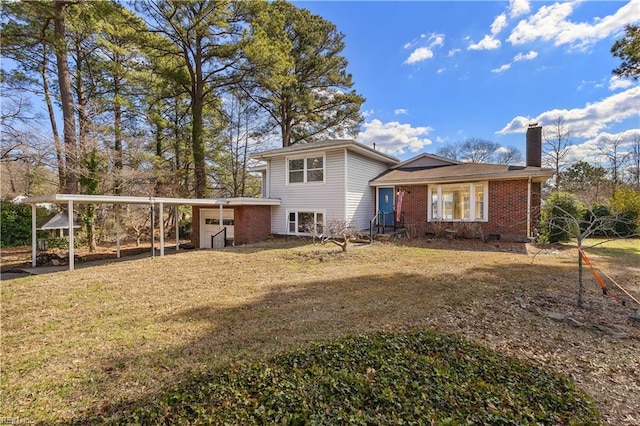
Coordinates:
(628,50)
(203,38)
(307,92)
(66,96)
(634,160)
(28,39)
(243,135)
(585,181)
(615,158)
(557,143)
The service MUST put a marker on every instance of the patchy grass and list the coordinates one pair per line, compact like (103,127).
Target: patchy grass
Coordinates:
(76,343)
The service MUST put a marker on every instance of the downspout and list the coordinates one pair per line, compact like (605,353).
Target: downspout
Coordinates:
(529,208)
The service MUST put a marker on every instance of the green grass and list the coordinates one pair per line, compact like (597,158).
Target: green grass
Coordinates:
(383,378)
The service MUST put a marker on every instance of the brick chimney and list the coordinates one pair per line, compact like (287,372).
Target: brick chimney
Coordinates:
(534,145)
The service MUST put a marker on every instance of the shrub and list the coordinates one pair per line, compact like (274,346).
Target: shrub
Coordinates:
(15,222)
(384,379)
(626,205)
(560,217)
(598,213)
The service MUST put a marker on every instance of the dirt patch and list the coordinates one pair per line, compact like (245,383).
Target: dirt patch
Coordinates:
(15,258)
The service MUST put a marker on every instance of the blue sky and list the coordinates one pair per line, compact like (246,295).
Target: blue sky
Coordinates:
(437,72)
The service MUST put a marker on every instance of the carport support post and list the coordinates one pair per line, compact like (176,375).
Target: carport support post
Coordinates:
(71,247)
(117,211)
(161,219)
(33,235)
(177,230)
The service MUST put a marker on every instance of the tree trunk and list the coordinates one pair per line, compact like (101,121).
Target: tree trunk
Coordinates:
(52,119)
(66,98)
(117,129)
(197,139)
(580,281)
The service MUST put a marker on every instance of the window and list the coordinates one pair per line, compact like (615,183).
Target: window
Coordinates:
(302,170)
(306,222)
(458,202)
(215,221)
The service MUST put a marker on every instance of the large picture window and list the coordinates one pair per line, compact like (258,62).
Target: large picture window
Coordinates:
(305,222)
(458,202)
(308,169)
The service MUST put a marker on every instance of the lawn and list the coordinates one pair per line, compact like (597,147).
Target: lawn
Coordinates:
(76,343)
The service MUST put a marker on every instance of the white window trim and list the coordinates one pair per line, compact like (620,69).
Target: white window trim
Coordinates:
(304,170)
(296,211)
(472,207)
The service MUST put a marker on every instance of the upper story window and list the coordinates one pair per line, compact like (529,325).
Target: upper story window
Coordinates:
(459,202)
(308,169)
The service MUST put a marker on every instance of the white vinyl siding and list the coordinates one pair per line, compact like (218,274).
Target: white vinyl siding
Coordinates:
(327,196)
(360,197)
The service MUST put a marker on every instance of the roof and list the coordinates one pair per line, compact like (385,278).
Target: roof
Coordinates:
(124,199)
(348,144)
(464,172)
(426,160)
(58,221)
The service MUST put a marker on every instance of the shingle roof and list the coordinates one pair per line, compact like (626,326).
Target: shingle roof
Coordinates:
(464,172)
(328,144)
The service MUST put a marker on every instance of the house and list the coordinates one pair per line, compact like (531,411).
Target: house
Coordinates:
(321,182)
(348,181)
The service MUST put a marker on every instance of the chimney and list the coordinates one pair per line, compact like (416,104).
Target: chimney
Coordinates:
(534,145)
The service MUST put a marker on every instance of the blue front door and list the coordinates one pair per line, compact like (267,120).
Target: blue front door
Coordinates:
(385,205)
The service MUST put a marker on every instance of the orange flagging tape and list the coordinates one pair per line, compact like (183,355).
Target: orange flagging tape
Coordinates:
(605,290)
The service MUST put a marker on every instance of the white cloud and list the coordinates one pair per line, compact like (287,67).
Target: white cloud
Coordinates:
(394,138)
(424,52)
(619,83)
(440,71)
(498,24)
(551,23)
(502,68)
(585,122)
(436,40)
(487,43)
(452,52)
(420,54)
(368,113)
(591,148)
(525,56)
(400,111)
(518,8)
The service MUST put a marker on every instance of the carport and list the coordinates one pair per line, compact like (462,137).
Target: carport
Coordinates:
(72,199)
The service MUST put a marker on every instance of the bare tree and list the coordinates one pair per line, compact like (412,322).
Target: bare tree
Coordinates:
(508,155)
(634,163)
(338,232)
(450,151)
(557,143)
(578,226)
(477,150)
(610,149)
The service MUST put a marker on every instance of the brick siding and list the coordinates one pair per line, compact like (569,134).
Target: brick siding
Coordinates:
(507,209)
(251,223)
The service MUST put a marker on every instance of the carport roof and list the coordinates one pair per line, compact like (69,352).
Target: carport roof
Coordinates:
(125,199)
